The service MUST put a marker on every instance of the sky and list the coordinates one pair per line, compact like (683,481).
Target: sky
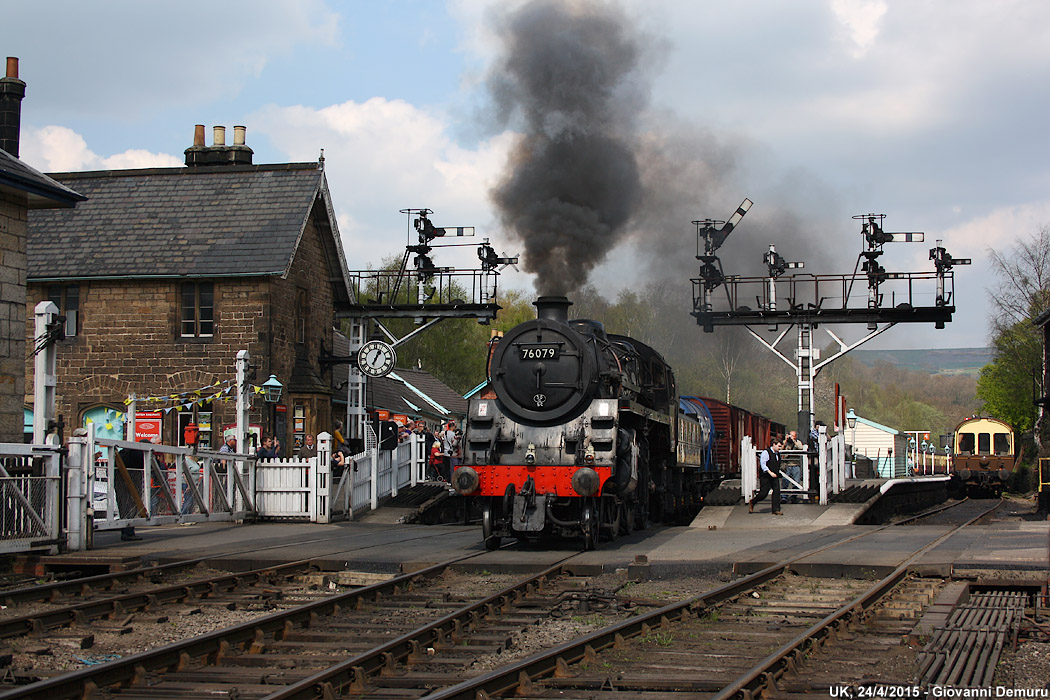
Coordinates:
(932,113)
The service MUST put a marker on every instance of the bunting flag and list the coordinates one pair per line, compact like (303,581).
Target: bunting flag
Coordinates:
(221,391)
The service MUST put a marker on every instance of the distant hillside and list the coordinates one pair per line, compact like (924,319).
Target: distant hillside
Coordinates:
(953,361)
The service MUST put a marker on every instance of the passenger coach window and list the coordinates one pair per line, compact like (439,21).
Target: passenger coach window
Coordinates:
(1002,443)
(966,443)
(984,443)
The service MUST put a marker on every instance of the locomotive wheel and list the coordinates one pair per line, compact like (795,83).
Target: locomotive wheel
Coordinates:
(491,541)
(589,526)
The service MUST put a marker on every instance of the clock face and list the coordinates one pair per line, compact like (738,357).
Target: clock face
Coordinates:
(376,358)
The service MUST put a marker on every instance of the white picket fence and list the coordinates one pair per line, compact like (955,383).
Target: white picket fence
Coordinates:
(831,468)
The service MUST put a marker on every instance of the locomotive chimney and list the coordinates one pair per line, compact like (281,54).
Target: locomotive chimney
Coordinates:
(553,308)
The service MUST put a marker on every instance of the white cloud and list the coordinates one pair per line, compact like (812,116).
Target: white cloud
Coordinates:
(385,155)
(862,19)
(60,149)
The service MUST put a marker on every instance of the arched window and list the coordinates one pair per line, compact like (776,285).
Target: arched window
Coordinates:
(104,421)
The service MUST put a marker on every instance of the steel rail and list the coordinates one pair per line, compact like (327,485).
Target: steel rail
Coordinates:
(52,591)
(131,670)
(39,622)
(354,671)
(518,675)
(766,672)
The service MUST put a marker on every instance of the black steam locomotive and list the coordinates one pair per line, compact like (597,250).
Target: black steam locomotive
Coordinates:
(579,435)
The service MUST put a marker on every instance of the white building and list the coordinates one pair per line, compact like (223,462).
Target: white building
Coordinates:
(885,447)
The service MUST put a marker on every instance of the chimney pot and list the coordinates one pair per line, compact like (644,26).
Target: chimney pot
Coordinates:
(198,135)
(238,135)
(12,91)
(219,135)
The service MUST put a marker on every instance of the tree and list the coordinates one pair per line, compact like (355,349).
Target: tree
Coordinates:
(1022,292)
(1005,384)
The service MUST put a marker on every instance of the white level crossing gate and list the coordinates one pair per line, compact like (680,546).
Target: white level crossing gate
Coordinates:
(30,497)
(53,498)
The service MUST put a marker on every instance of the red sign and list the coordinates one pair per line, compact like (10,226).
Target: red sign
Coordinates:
(281,408)
(148,425)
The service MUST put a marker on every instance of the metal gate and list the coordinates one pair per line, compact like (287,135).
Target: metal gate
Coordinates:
(30,480)
(139,483)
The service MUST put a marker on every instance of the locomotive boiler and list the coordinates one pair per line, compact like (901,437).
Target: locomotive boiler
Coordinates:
(580,435)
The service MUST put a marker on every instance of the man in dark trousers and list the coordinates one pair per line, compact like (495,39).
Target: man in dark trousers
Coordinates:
(769,475)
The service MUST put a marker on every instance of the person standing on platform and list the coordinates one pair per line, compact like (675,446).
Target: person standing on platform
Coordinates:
(793,467)
(266,450)
(309,448)
(449,444)
(769,476)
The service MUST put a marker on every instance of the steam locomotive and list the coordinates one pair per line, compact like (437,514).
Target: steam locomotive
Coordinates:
(583,434)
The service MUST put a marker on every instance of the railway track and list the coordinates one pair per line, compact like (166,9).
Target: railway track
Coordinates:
(412,638)
(410,616)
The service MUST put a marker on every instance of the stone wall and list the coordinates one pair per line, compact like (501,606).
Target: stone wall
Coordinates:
(129,342)
(12,306)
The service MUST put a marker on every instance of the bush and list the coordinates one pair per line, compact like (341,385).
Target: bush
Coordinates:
(1022,480)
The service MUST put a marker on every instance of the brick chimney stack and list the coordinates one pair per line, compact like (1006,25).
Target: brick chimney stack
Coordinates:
(12,90)
(218,153)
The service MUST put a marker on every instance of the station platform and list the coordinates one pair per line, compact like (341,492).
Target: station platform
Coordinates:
(724,540)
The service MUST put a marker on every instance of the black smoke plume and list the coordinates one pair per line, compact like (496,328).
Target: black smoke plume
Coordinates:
(571,79)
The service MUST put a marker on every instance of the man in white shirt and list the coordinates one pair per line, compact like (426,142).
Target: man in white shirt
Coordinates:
(769,476)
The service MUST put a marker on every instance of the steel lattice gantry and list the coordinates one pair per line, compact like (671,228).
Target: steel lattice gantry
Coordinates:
(870,295)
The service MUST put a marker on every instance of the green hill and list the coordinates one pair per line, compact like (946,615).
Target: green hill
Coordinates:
(968,361)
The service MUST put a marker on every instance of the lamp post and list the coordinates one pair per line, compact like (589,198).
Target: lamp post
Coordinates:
(272,393)
(851,421)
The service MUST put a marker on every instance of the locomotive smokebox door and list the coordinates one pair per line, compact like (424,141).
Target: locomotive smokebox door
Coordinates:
(546,373)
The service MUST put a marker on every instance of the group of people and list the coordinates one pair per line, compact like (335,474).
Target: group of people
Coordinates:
(774,473)
(444,451)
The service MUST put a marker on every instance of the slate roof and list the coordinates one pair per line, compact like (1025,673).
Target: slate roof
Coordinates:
(186,222)
(42,190)
(415,392)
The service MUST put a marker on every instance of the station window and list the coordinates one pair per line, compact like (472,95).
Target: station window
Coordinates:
(197,310)
(67,298)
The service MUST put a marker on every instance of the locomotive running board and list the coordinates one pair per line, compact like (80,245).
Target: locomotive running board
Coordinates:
(647,413)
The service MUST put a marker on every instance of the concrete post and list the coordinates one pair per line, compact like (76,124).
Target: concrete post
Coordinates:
(76,478)
(44,372)
(244,405)
(323,479)
(130,420)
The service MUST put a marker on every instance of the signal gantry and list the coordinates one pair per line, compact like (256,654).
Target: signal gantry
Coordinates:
(818,299)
